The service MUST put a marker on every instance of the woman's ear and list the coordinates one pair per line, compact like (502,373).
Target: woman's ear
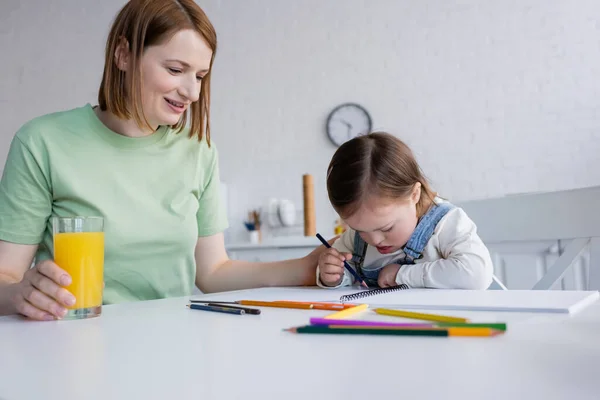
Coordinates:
(416,193)
(122,54)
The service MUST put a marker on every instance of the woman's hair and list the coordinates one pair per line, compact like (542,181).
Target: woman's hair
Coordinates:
(377,164)
(145,23)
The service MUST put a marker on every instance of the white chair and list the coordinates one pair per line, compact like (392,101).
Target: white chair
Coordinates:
(565,217)
(496,284)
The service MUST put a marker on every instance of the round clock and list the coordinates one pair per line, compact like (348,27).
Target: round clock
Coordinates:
(347,121)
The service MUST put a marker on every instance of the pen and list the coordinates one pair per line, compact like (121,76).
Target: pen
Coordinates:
(247,310)
(348,267)
(215,309)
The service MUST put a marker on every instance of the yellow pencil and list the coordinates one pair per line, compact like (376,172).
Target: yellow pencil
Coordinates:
(347,312)
(421,316)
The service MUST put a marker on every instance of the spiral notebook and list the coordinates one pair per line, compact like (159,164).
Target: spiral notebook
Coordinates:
(347,298)
(401,297)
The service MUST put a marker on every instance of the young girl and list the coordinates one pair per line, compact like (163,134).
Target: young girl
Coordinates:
(399,231)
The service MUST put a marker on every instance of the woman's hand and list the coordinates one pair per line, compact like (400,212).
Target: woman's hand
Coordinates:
(40,294)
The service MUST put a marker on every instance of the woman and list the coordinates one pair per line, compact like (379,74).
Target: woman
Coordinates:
(133,160)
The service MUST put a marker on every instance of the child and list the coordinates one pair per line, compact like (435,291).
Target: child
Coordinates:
(399,231)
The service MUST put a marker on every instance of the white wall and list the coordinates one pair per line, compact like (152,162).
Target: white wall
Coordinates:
(495,97)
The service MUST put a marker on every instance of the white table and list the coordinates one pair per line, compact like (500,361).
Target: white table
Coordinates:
(161,350)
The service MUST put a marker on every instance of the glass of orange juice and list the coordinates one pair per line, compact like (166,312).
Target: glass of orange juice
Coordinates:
(79,250)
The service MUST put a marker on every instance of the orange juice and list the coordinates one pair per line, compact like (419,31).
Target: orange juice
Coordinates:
(81,254)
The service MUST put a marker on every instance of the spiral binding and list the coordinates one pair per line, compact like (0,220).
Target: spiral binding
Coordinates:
(367,293)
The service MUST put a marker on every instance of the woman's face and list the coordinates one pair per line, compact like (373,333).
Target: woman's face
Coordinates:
(172,75)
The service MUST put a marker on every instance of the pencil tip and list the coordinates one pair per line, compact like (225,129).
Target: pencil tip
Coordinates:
(365,284)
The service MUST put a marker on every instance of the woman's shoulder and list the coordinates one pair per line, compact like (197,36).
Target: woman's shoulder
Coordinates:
(39,128)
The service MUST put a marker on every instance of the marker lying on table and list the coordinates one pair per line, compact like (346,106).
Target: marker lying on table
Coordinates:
(225,310)
(247,310)
(346,265)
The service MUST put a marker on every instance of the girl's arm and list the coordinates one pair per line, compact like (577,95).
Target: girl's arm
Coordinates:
(466,262)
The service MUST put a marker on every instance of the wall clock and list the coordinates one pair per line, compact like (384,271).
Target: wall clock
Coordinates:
(347,121)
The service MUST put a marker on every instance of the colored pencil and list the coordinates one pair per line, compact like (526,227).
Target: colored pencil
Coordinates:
(325,321)
(323,305)
(278,304)
(451,330)
(364,330)
(421,316)
(215,309)
(499,326)
(247,310)
(347,312)
(283,304)
(346,265)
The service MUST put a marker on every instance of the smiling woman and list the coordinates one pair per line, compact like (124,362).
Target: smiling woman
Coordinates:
(142,159)
(158,60)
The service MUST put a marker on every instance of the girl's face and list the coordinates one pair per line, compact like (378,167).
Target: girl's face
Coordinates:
(386,223)
(172,74)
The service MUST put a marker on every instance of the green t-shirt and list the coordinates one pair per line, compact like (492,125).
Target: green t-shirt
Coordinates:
(157,194)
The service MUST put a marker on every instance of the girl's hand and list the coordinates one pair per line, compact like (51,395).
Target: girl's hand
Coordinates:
(387,276)
(331,266)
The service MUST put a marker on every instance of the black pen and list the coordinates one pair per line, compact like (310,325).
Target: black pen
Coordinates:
(253,311)
(221,309)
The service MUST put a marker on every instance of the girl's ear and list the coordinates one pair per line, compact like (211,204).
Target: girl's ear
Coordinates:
(416,193)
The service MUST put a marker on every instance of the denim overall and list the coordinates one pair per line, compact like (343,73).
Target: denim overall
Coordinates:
(413,250)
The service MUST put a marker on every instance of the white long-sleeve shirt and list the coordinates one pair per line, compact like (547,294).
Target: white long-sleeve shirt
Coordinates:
(454,257)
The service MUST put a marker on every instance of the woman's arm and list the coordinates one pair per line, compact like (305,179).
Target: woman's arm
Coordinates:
(15,260)
(215,272)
